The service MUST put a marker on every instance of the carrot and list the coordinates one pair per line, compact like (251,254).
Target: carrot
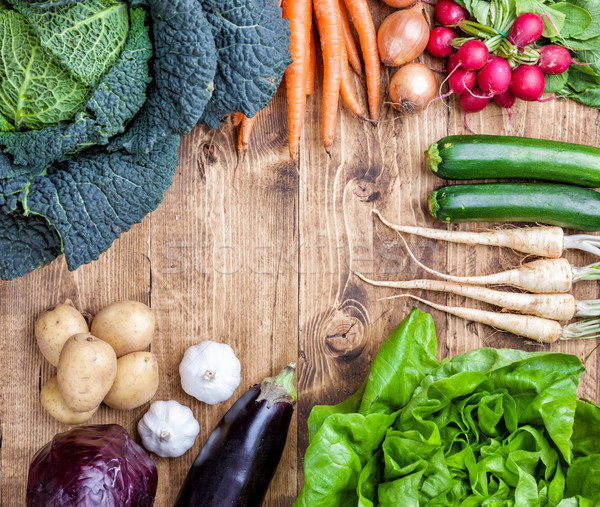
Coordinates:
(353,57)
(299,12)
(361,17)
(244,135)
(346,89)
(310,81)
(236,119)
(535,328)
(548,306)
(328,24)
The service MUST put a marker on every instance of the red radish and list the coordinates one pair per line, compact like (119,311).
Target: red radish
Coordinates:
(473,55)
(553,59)
(472,103)
(461,80)
(448,12)
(452,62)
(527,83)
(495,77)
(440,40)
(505,99)
(526,29)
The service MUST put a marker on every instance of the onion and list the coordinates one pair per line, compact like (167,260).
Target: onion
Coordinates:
(399,4)
(412,87)
(403,36)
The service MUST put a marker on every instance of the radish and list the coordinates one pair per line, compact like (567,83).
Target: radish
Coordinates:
(547,306)
(472,102)
(495,77)
(452,62)
(542,241)
(527,83)
(535,328)
(440,42)
(473,55)
(553,59)
(526,29)
(448,12)
(506,100)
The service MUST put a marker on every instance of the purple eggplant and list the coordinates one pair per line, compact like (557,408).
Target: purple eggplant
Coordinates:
(237,463)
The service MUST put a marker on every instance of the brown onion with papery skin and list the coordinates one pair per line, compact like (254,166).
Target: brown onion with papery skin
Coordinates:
(403,36)
(400,4)
(412,87)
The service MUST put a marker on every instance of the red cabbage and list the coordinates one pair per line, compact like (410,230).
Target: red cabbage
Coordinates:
(92,466)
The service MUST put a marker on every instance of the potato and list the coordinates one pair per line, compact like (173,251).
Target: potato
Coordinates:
(136,382)
(55,326)
(55,405)
(86,371)
(128,326)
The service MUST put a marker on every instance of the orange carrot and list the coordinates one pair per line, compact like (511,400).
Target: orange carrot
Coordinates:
(346,89)
(361,17)
(312,57)
(330,31)
(353,57)
(244,135)
(299,12)
(236,119)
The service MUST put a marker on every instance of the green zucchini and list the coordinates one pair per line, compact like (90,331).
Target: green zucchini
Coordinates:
(547,203)
(481,157)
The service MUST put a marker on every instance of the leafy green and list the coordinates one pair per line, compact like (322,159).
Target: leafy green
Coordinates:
(577,19)
(488,427)
(87,37)
(538,7)
(34,89)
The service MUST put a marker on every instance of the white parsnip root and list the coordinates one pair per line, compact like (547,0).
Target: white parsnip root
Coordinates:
(548,306)
(543,241)
(535,328)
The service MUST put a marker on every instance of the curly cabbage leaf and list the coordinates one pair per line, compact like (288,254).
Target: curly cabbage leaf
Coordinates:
(489,427)
(34,89)
(87,37)
(252,42)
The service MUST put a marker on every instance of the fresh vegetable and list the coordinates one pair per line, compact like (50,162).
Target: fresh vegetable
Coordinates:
(403,36)
(296,75)
(473,101)
(346,90)
(241,455)
(542,241)
(495,76)
(329,26)
(448,12)
(554,59)
(86,371)
(246,126)
(547,306)
(168,429)
(412,88)
(484,157)
(210,372)
(127,326)
(505,99)
(472,55)
(527,83)
(546,203)
(526,29)
(90,127)
(92,465)
(400,4)
(55,326)
(54,404)
(416,430)
(136,381)
(349,44)
(440,42)
(310,82)
(361,17)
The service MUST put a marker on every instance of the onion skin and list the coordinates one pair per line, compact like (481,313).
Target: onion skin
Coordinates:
(400,4)
(412,88)
(403,36)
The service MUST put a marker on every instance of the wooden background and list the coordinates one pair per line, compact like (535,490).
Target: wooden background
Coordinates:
(262,258)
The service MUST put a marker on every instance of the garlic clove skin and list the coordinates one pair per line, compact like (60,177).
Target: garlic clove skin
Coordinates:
(210,372)
(168,429)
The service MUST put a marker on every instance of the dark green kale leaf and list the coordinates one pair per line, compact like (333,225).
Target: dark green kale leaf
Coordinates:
(184,68)
(253,43)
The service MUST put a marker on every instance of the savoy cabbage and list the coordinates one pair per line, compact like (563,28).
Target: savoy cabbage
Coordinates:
(94,95)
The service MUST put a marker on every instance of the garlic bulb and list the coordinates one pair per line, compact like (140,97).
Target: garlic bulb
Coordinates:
(168,429)
(210,372)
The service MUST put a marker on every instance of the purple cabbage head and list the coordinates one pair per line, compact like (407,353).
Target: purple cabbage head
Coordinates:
(98,465)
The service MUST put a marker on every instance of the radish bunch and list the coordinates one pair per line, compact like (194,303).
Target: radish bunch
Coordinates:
(488,65)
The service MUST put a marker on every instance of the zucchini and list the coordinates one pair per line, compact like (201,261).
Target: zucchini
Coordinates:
(547,203)
(496,157)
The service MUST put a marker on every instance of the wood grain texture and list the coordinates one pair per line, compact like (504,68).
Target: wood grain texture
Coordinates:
(262,258)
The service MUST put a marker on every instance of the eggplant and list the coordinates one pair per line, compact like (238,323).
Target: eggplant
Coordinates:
(239,459)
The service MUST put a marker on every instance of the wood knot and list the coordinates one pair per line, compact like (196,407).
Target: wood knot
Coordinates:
(344,337)
(208,151)
(365,191)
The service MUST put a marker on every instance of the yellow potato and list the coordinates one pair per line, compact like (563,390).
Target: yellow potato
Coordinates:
(55,326)
(136,382)
(128,326)
(86,371)
(55,405)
